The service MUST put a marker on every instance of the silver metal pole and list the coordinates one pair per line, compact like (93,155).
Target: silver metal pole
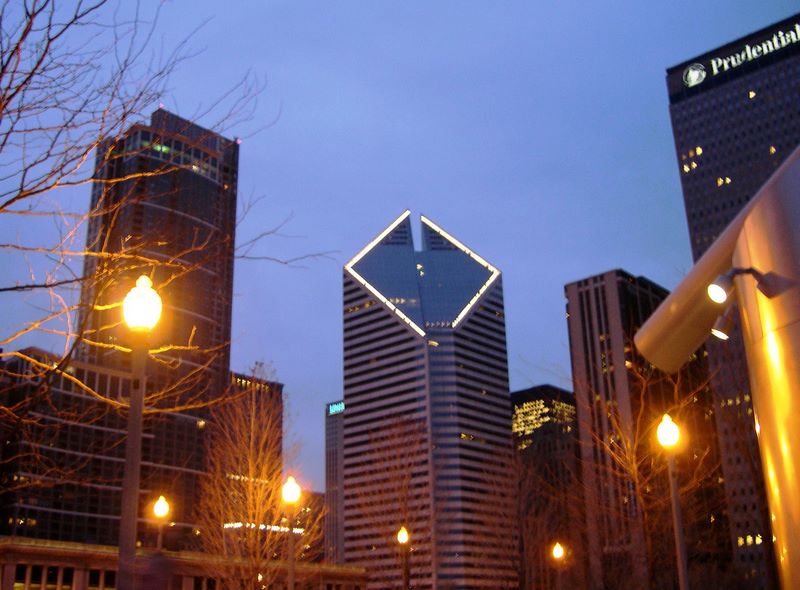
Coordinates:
(129,512)
(770,242)
(677,526)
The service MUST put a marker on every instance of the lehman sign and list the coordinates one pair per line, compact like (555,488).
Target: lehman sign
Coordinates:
(695,73)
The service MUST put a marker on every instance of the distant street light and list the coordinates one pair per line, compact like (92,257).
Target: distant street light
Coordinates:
(141,310)
(668,435)
(403,537)
(160,511)
(291,493)
(558,553)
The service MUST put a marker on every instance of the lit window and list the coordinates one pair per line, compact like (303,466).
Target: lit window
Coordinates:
(686,167)
(751,95)
(720,181)
(727,180)
(698,150)
(749,539)
(694,165)
(740,541)
(772,150)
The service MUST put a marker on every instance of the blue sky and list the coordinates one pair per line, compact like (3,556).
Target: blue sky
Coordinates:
(537,133)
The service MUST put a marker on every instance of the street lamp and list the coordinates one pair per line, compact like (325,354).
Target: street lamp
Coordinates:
(141,310)
(668,435)
(403,537)
(160,511)
(291,495)
(558,552)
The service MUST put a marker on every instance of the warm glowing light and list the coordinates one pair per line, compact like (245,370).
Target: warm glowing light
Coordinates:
(717,294)
(161,507)
(719,334)
(668,432)
(141,307)
(403,536)
(558,551)
(291,491)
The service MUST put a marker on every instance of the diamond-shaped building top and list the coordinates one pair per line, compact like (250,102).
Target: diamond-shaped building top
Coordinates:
(431,288)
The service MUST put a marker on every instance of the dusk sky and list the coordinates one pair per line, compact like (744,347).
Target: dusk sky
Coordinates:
(537,133)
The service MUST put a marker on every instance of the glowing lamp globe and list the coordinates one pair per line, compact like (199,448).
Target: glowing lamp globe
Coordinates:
(720,289)
(290,491)
(558,551)
(402,535)
(141,307)
(668,432)
(161,507)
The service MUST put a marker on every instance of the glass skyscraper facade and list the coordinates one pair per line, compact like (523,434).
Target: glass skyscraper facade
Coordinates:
(427,429)
(164,204)
(736,116)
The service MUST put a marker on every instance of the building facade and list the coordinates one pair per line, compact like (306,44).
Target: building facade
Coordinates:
(62,465)
(549,495)
(334,482)
(735,115)
(427,430)
(620,400)
(163,203)
(26,564)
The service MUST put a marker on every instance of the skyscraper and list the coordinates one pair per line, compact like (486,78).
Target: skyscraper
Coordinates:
(549,493)
(736,116)
(427,430)
(620,399)
(164,204)
(334,482)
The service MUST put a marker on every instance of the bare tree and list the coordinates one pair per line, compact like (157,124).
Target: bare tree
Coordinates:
(74,78)
(629,489)
(240,514)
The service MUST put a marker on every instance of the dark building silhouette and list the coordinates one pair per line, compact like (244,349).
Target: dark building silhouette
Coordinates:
(427,429)
(62,465)
(736,116)
(620,399)
(550,497)
(165,194)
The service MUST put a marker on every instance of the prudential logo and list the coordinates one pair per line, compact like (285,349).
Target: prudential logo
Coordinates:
(694,75)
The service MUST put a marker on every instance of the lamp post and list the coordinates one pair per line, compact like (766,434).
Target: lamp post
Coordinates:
(668,435)
(403,537)
(558,553)
(291,495)
(141,310)
(160,511)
